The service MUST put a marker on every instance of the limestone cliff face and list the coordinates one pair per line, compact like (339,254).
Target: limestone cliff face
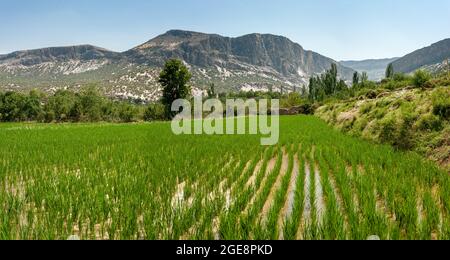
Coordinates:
(262,50)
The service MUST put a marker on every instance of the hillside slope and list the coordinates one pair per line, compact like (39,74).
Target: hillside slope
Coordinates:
(406,118)
(428,56)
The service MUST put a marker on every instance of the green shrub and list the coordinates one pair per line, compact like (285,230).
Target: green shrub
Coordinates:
(365,108)
(401,77)
(49,117)
(379,113)
(441,103)
(397,132)
(369,85)
(397,103)
(292,100)
(361,124)
(344,94)
(390,85)
(155,112)
(429,122)
(394,84)
(383,103)
(420,78)
(405,139)
(408,110)
(127,112)
(388,130)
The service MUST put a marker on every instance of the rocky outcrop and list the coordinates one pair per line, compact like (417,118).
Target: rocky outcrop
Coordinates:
(262,50)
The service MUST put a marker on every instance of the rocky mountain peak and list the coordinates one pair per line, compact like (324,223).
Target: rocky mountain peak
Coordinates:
(57,54)
(267,51)
(257,62)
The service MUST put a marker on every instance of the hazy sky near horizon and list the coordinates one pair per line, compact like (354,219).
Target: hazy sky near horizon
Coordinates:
(340,29)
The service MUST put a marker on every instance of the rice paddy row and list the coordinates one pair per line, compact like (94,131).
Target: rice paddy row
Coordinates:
(142,182)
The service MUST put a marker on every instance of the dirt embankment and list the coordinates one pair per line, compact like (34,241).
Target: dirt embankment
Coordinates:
(408,119)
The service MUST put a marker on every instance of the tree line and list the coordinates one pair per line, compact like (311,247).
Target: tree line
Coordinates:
(87,105)
(328,85)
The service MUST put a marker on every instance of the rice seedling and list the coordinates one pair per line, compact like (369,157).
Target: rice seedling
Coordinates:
(139,181)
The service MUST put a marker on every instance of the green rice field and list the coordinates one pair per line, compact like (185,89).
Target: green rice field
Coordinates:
(140,181)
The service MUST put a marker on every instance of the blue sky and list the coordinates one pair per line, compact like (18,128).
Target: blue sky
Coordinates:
(340,29)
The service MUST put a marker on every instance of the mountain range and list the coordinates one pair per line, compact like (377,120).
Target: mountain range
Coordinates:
(250,62)
(428,57)
(432,58)
(375,68)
